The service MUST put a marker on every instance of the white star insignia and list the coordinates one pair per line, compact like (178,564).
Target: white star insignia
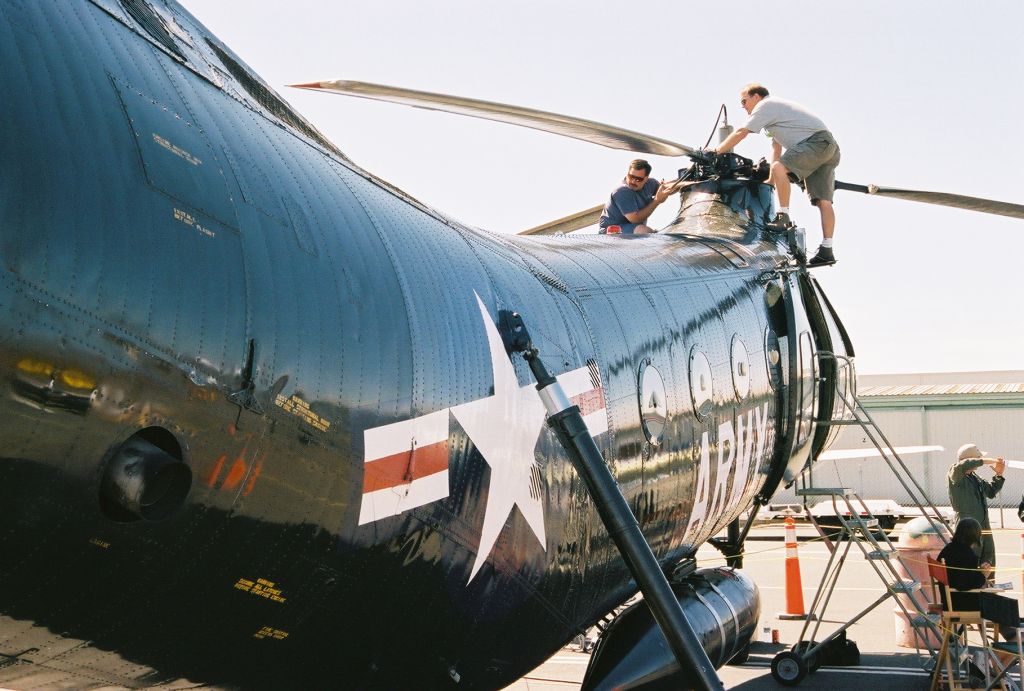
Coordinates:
(505,428)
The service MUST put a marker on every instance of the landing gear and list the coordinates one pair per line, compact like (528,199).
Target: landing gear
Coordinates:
(741,657)
(732,547)
(789,668)
(732,551)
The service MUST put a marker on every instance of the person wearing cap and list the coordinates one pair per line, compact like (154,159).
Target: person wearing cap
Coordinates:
(969,494)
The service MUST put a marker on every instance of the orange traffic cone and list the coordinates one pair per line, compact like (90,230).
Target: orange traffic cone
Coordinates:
(794,587)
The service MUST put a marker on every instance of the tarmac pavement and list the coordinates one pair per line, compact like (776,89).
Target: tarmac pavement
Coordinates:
(884,665)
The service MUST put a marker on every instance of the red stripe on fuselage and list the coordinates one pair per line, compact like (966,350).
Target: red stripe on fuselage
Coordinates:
(589,401)
(403,468)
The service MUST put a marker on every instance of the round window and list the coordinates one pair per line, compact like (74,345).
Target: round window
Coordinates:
(700,382)
(772,356)
(653,411)
(740,368)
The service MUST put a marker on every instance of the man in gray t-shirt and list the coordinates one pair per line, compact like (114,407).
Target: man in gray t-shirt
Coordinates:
(634,201)
(811,154)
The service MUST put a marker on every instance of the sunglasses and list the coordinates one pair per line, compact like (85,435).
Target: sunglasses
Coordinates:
(636,178)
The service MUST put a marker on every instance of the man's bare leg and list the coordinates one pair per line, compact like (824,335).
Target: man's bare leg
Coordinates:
(828,219)
(825,255)
(780,179)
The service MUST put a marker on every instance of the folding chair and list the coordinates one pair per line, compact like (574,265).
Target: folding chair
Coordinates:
(1004,614)
(954,624)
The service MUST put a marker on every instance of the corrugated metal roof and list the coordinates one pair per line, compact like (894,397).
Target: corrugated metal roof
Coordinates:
(940,389)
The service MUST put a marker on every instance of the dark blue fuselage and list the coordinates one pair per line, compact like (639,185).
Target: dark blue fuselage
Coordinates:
(186,259)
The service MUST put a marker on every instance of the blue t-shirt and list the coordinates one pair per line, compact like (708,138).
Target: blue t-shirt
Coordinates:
(625,201)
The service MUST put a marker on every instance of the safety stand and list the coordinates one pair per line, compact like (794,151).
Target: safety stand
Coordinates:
(790,667)
(857,526)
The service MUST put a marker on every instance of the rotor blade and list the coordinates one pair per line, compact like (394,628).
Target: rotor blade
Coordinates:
(959,201)
(567,224)
(577,128)
(848,454)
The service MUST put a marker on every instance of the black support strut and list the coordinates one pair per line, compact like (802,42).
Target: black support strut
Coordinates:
(567,422)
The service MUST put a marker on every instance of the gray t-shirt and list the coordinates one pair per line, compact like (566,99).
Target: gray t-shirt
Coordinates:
(625,201)
(786,122)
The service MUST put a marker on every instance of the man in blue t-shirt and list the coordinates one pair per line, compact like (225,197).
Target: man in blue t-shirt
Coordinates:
(634,201)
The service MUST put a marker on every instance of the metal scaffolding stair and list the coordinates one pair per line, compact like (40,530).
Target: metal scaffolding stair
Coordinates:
(855,414)
(857,526)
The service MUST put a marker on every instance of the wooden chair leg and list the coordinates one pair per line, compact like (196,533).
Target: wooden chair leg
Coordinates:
(937,669)
(986,649)
(940,660)
(958,644)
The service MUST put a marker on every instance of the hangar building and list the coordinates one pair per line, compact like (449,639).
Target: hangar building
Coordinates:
(946,409)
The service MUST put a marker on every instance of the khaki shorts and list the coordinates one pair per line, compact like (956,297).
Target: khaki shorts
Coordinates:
(814,160)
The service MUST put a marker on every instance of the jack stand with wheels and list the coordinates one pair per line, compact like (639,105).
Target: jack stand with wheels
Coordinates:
(789,668)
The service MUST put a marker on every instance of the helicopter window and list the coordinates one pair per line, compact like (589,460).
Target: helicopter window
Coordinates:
(653,410)
(772,356)
(740,368)
(701,384)
(153,24)
(269,100)
(773,300)
(808,386)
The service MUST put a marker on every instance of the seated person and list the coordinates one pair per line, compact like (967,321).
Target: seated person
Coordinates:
(962,566)
(634,201)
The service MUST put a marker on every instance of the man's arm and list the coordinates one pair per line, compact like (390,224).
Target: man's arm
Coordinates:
(960,468)
(731,141)
(776,151)
(641,215)
(992,488)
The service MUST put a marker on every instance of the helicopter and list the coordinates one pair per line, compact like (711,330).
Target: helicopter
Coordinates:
(265,425)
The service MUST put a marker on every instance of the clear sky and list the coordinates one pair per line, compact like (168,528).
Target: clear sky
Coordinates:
(920,95)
